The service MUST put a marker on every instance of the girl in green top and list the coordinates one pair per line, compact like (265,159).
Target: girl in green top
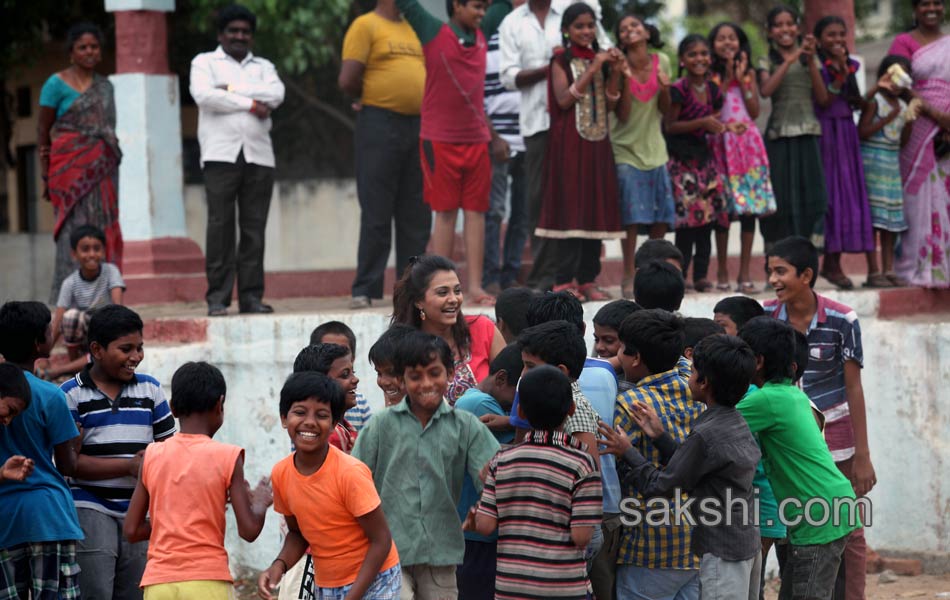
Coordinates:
(636,135)
(792,79)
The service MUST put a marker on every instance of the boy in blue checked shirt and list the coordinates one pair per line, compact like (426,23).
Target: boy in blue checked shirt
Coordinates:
(655,561)
(716,462)
(39,529)
(120,413)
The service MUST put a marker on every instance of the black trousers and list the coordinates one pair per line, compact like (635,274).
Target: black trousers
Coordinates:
(544,251)
(389,187)
(248,188)
(699,238)
(577,258)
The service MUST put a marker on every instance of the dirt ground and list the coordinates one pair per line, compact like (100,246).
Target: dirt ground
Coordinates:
(922,586)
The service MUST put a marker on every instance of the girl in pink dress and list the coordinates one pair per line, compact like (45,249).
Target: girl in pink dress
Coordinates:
(740,151)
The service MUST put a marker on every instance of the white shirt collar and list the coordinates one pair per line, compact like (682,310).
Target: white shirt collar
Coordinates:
(219,53)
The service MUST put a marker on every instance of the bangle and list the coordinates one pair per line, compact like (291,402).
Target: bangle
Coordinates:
(283,562)
(612,97)
(573,90)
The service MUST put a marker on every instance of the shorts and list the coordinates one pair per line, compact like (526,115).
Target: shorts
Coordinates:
(455,176)
(386,586)
(42,570)
(75,324)
(646,197)
(186,590)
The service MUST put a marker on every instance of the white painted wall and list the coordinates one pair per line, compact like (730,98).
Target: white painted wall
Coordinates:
(907,366)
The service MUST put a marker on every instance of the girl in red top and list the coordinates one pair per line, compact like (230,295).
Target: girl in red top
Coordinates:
(428,296)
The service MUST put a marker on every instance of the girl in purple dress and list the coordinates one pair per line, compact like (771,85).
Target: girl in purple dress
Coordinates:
(848,220)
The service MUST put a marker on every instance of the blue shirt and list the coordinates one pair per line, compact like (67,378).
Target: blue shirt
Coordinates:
(57,94)
(479,403)
(115,428)
(598,381)
(41,508)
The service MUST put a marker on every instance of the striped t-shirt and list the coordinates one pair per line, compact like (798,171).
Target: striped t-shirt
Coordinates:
(84,294)
(834,337)
(115,429)
(538,491)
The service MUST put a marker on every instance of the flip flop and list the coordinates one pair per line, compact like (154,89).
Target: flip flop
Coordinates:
(593,293)
(747,287)
(839,280)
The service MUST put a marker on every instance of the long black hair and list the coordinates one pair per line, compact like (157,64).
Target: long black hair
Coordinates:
(80,29)
(849,90)
(718,64)
(775,57)
(685,45)
(655,41)
(411,288)
(570,15)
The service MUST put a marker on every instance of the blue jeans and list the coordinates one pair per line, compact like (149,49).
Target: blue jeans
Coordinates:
(502,267)
(641,583)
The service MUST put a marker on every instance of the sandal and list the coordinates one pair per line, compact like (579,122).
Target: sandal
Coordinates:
(626,288)
(878,280)
(593,293)
(703,285)
(723,287)
(747,287)
(896,279)
(839,280)
(571,289)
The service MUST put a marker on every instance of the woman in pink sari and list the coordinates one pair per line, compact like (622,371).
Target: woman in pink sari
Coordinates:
(79,151)
(925,160)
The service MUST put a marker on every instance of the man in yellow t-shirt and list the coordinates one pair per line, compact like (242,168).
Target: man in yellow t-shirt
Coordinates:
(384,69)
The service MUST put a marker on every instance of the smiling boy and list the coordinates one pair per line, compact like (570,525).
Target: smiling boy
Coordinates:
(120,412)
(832,379)
(336,362)
(94,284)
(329,502)
(419,452)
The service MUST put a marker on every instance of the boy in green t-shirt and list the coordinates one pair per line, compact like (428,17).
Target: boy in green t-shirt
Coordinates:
(798,464)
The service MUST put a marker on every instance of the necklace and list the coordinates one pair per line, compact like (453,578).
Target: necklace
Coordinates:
(699,89)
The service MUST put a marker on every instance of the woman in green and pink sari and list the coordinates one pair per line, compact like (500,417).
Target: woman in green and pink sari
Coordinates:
(79,151)
(925,159)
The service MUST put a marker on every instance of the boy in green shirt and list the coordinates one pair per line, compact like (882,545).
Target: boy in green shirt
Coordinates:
(798,464)
(419,452)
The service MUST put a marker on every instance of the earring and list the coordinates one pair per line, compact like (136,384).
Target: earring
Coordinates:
(422,314)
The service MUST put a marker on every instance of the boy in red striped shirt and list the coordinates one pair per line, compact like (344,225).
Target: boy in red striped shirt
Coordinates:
(544,496)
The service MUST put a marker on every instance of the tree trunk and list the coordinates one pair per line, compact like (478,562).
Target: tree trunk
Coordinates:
(816,9)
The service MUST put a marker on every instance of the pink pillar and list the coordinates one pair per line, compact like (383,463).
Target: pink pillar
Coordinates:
(161,263)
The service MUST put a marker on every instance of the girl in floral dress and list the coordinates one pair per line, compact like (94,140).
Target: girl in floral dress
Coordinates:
(740,154)
(697,184)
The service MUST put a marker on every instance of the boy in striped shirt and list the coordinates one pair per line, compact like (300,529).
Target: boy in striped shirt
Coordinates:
(544,496)
(119,412)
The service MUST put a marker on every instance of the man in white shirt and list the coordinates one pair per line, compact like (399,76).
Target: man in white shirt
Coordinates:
(527,39)
(236,93)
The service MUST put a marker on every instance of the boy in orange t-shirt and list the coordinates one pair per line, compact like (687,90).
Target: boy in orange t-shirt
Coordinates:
(329,501)
(184,484)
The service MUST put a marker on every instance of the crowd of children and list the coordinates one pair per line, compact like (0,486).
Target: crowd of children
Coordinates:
(539,482)
(632,145)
